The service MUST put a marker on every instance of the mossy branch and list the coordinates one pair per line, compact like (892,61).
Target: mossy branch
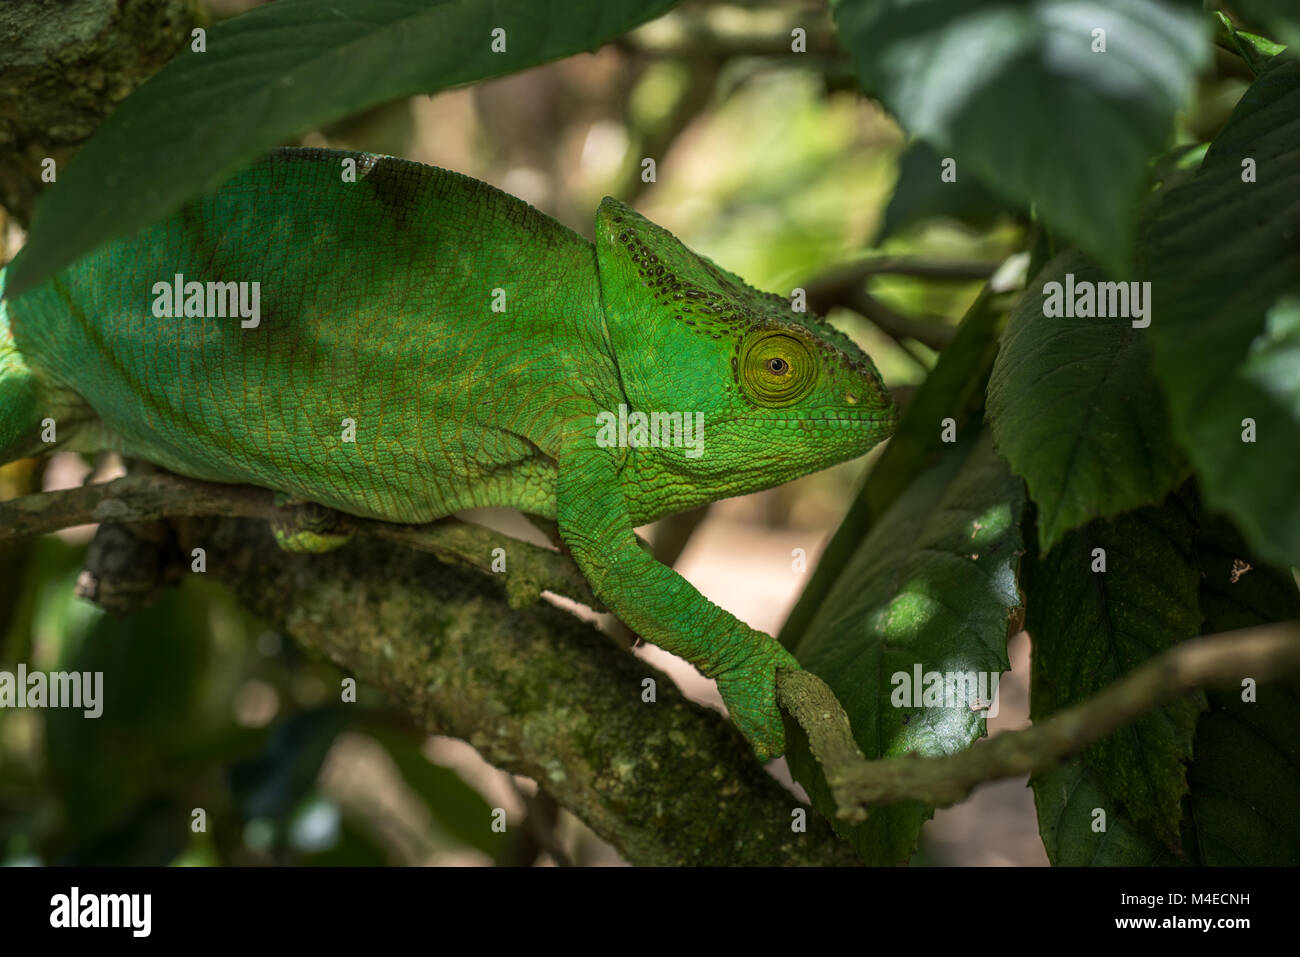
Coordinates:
(307,596)
(63,69)
(142,498)
(534,690)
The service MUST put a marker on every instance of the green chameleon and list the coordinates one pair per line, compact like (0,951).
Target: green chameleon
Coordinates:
(422,343)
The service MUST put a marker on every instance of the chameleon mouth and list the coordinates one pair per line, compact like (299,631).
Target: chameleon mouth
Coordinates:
(877,422)
(872,418)
(867,429)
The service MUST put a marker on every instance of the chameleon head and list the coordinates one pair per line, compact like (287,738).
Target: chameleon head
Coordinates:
(780,393)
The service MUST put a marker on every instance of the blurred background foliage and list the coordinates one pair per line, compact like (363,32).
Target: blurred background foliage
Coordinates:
(773,165)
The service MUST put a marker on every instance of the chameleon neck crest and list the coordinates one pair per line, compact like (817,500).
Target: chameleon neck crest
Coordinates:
(711,302)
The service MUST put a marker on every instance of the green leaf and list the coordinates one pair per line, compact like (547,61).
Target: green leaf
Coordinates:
(1237,589)
(1280,18)
(1083,826)
(931,588)
(920,194)
(1245,777)
(1245,781)
(153,835)
(953,389)
(1076,410)
(1243,804)
(1091,627)
(1015,94)
(152,663)
(1254,49)
(279,70)
(1225,271)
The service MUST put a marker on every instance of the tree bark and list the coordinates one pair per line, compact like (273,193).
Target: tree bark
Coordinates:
(63,67)
(535,691)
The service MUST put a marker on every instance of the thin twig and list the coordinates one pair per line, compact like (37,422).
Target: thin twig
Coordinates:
(942,270)
(541,817)
(529,570)
(1266,653)
(846,286)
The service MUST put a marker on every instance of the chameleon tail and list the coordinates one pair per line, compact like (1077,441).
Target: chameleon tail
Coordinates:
(20,418)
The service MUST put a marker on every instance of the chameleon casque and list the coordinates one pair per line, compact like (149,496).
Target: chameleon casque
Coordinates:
(376,306)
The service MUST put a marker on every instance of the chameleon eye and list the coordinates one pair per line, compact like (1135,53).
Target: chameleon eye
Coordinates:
(777,369)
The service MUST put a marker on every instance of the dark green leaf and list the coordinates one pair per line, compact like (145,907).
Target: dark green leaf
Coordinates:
(1243,804)
(1015,94)
(920,194)
(1245,781)
(1245,776)
(1254,49)
(1224,264)
(279,70)
(1090,628)
(1083,826)
(151,663)
(931,588)
(154,835)
(1237,590)
(1076,410)
(44,599)
(1279,18)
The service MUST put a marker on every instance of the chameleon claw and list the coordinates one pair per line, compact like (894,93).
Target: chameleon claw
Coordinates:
(749,691)
(307,527)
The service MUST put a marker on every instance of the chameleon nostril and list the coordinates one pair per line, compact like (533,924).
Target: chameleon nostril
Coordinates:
(850,398)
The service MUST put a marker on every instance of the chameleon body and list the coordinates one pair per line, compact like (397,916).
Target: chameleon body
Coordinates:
(473,343)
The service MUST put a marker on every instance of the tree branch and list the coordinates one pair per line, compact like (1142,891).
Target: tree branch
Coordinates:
(1265,654)
(302,594)
(530,570)
(940,270)
(536,691)
(62,71)
(846,287)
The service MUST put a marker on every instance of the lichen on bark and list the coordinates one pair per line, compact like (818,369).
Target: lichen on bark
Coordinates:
(535,691)
(63,68)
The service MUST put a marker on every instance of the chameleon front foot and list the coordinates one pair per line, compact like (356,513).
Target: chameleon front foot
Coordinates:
(749,691)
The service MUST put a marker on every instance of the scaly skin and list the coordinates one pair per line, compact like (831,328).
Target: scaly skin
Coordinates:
(376,306)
